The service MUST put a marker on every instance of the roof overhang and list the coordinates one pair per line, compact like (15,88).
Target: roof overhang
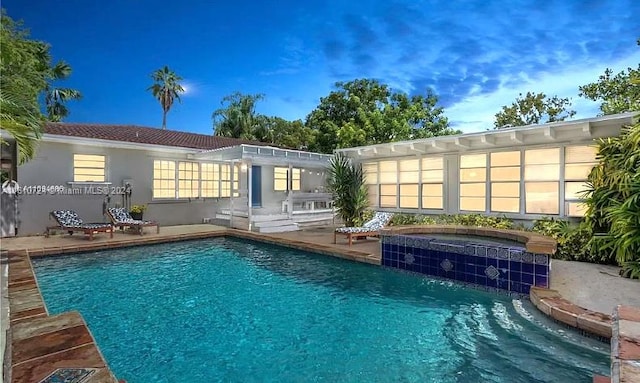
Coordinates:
(265,155)
(557,132)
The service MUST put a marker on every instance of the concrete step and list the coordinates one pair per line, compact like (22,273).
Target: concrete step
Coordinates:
(268,217)
(278,229)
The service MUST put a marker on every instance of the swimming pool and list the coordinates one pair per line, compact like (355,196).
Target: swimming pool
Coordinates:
(237,311)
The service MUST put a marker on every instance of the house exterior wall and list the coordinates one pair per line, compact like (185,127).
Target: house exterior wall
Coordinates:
(53,166)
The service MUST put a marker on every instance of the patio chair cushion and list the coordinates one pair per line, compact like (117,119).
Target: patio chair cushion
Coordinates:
(67,218)
(119,214)
(122,216)
(378,221)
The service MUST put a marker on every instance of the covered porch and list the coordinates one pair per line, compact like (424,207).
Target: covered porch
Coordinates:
(276,190)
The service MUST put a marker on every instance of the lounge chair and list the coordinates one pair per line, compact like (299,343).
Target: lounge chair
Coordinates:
(368,229)
(68,220)
(121,218)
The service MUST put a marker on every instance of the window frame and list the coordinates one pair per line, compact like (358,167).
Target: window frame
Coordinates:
(75,168)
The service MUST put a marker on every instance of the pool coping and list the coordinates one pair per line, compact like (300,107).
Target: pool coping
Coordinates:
(547,301)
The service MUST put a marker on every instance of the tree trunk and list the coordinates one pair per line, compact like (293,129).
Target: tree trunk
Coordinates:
(164,120)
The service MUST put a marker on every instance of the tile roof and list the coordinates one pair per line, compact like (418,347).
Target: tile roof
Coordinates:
(144,135)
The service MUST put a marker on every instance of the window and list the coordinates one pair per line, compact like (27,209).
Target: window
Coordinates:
(371,180)
(164,179)
(281,179)
(431,177)
(88,168)
(188,180)
(578,162)
(210,180)
(295,179)
(225,180)
(409,178)
(473,176)
(505,182)
(388,173)
(541,175)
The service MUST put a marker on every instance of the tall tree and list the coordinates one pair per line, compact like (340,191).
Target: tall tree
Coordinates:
(284,133)
(55,98)
(25,74)
(166,89)
(365,111)
(617,94)
(238,118)
(534,108)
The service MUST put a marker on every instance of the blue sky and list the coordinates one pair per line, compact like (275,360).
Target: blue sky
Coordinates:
(477,55)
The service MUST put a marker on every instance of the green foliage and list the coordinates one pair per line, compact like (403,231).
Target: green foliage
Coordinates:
(24,72)
(283,133)
(365,111)
(138,208)
(534,109)
(617,93)
(478,220)
(237,118)
(166,88)
(55,98)
(411,219)
(572,239)
(345,181)
(631,270)
(613,198)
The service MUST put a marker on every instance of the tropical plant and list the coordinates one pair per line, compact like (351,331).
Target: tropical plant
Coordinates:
(345,181)
(166,89)
(24,69)
(237,118)
(613,199)
(55,98)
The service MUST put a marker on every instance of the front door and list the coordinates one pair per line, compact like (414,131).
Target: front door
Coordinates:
(256,186)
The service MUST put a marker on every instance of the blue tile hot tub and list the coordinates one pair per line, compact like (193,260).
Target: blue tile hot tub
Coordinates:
(494,264)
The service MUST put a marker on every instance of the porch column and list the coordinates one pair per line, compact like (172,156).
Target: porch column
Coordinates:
(249,194)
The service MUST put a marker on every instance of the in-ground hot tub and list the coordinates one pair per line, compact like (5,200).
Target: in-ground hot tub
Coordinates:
(507,260)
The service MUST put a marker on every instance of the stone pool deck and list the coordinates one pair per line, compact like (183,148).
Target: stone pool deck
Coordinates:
(596,291)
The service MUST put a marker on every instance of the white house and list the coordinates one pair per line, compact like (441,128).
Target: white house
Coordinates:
(523,173)
(183,178)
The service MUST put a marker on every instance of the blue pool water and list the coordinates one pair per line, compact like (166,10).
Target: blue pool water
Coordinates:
(225,310)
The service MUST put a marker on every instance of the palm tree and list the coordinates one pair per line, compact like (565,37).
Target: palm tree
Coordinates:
(166,89)
(55,98)
(345,181)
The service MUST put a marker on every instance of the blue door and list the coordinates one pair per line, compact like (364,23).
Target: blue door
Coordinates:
(256,186)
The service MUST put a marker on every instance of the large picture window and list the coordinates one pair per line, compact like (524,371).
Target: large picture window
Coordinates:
(164,179)
(188,180)
(225,180)
(505,182)
(88,168)
(473,177)
(578,162)
(432,183)
(542,175)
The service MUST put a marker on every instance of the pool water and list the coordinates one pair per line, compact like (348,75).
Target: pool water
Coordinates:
(224,310)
